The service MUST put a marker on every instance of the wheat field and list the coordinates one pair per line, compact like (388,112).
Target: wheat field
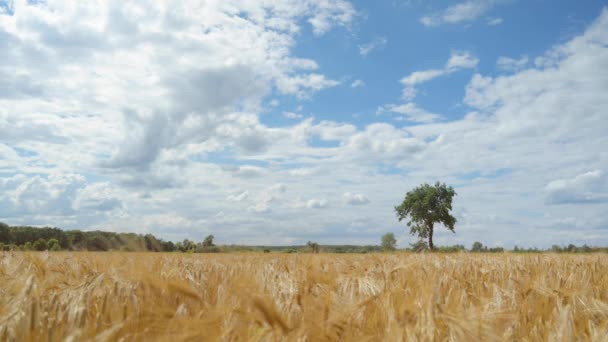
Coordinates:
(74,296)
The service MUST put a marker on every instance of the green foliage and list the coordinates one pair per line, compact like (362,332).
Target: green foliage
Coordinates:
(31,238)
(425,206)
(389,242)
(152,244)
(208,242)
(419,246)
(450,249)
(207,246)
(24,237)
(5,234)
(477,247)
(186,246)
(574,249)
(53,245)
(40,245)
(167,246)
(9,247)
(76,239)
(313,246)
(207,249)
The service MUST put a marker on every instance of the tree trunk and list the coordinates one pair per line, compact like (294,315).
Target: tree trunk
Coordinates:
(431,237)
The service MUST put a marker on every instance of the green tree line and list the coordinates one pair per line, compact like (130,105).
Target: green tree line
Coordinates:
(48,238)
(54,239)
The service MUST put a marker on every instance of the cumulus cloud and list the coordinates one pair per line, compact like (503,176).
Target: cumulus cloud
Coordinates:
(52,195)
(329,130)
(56,199)
(108,121)
(588,187)
(317,203)
(381,141)
(303,85)
(461,60)
(98,197)
(170,74)
(355,199)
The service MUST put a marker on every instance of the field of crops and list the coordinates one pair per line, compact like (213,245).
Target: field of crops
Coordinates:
(304,297)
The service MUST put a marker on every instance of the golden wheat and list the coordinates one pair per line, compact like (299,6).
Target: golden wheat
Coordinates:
(257,297)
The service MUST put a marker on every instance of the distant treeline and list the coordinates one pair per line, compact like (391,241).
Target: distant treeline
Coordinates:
(47,238)
(27,238)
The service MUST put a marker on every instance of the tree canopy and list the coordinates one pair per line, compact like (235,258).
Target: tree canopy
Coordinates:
(389,242)
(314,247)
(208,242)
(425,206)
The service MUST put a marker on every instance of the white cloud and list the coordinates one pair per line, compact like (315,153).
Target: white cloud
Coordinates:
(155,125)
(98,197)
(381,141)
(266,197)
(317,203)
(461,60)
(355,199)
(461,12)
(588,187)
(302,86)
(329,130)
(377,43)
(412,112)
(247,171)
(239,197)
(510,64)
(458,60)
(292,115)
(418,77)
(326,14)
(357,84)
(495,21)
(304,172)
(188,73)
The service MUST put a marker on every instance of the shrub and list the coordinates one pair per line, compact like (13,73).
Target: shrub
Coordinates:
(41,245)
(53,245)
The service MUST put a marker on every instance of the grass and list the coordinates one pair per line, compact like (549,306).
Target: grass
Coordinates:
(265,297)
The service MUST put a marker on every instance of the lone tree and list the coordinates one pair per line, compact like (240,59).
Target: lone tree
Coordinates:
(314,247)
(477,247)
(425,206)
(208,242)
(389,242)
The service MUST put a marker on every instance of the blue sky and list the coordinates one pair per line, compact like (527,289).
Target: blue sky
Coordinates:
(282,122)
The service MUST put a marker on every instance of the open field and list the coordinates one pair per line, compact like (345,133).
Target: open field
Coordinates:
(156,296)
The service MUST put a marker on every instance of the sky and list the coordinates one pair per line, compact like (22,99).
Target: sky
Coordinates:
(278,122)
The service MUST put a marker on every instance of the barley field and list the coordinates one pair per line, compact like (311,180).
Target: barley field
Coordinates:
(78,296)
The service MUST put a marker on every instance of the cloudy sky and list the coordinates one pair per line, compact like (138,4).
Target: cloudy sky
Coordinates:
(279,122)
